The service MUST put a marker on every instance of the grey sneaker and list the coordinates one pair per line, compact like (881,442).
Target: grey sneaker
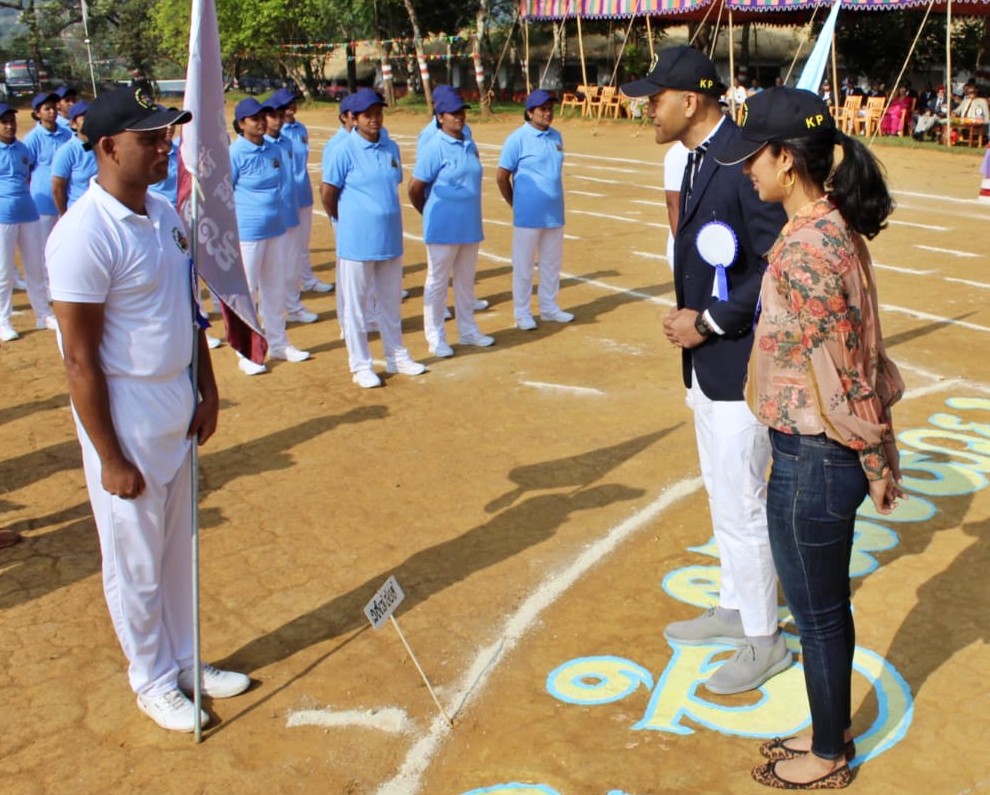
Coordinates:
(750,667)
(706,628)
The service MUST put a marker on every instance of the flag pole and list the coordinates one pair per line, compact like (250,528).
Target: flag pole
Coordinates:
(89,49)
(197,652)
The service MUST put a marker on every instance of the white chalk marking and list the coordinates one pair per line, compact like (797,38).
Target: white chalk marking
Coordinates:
(579,390)
(930,227)
(650,255)
(586,193)
(495,257)
(598,179)
(571,237)
(968,282)
(901,269)
(409,777)
(389,719)
(939,380)
(937,197)
(610,169)
(951,251)
(934,318)
(921,391)
(625,218)
(653,299)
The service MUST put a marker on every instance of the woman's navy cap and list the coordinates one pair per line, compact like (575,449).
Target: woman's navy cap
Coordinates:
(282,98)
(249,107)
(79,108)
(126,110)
(539,97)
(42,98)
(63,91)
(5,108)
(776,114)
(364,98)
(447,99)
(681,68)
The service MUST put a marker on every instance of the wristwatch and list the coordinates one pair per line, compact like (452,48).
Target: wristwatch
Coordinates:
(702,327)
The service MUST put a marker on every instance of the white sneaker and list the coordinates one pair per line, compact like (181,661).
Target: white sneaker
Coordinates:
(303,316)
(20,284)
(213,342)
(318,287)
(525,323)
(557,316)
(478,340)
(405,294)
(480,304)
(7,333)
(405,366)
(215,683)
(442,350)
(248,367)
(48,322)
(172,711)
(289,353)
(366,379)
(447,314)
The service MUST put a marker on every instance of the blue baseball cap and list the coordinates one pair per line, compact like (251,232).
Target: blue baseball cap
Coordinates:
(79,108)
(539,97)
(345,105)
(63,91)
(364,98)
(282,98)
(447,99)
(5,108)
(42,98)
(249,107)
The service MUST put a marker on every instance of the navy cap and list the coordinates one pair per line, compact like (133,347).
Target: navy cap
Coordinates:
(249,107)
(79,108)
(42,98)
(776,114)
(5,108)
(364,98)
(126,110)
(63,91)
(539,97)
(682,68)
(447,99)
(282,98)
(345,105)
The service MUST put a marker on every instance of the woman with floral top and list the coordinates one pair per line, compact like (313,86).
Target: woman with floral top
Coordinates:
(820,380)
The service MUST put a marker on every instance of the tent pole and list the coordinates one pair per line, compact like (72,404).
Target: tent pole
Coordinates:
(649,37)
(529,86)
(835,80)
(948,74)
(584,73)
(732,69)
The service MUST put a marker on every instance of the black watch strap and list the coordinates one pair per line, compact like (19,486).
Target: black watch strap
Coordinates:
(702,327)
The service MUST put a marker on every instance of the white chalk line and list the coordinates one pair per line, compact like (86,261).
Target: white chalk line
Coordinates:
(934,318)
(968,282)
(940,382)
(951,251)
(578,390)
(627,219)
(902,269)
(586,193)
(419,757)
(929,227)
(388,719)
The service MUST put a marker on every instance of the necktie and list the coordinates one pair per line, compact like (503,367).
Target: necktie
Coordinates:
(695,159)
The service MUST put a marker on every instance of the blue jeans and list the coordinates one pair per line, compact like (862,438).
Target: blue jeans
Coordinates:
(815,487)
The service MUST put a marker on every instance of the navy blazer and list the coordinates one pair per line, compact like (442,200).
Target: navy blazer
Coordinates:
(723,193)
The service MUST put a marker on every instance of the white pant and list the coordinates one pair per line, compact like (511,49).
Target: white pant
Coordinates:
(306,275)
(264,266)
(528,245)
(444,261)
(356,280)
(146,543)
(734,450)
(296,242)
(26,237)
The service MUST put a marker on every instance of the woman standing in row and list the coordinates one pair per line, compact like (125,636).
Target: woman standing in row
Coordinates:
(446,191)
(43,141)
(73,165)
(529,178)
(820,379)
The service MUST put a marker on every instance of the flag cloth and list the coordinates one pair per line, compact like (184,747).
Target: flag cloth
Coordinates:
(814,69)
(205,160)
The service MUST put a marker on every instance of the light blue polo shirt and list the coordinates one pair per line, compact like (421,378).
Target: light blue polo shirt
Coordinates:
(452,169)
(536,160)
(369,222)
(334,141)
(299,135)
(432,129)
(61,121)
(16,204)
(169,187)
(256,173)
(288,203)
(75,164)
(43,144)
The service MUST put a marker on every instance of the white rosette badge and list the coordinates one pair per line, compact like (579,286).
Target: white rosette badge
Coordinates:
(717,244)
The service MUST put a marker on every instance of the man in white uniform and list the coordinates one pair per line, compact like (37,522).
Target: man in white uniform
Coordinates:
(121,281)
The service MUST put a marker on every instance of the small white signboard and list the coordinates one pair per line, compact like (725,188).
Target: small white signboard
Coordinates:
(383,603)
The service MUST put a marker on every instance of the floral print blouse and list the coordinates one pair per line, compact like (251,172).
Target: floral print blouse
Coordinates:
(818,363)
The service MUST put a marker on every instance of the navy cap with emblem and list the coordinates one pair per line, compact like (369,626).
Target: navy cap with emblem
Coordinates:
(5,109)
(126,110)
(775,115)
(680,68)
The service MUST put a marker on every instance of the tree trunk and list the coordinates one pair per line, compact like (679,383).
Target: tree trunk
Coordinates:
(484,97)
(351,51)
(424,73)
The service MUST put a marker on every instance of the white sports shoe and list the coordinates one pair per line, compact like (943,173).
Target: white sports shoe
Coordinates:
(248,367)
(442,350)
(318,287)
(405,366)
(215,683)
(289,353)
(557,316)
(405,294)
(480,304)
(366,379)
(48,322)
(7,333)
(213,342)
(303,316)
(447,314)
(525,323)
(477,339)
(172,711)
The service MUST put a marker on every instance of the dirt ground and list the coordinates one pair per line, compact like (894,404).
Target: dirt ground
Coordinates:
(539,503)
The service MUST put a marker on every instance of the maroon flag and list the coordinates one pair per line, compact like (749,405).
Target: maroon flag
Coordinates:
(205,163)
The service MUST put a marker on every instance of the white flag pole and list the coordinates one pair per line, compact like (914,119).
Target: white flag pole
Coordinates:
(197,652)
(89,50)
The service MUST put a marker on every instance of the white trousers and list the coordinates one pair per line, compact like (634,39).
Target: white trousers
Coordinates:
(734,450)
(443,261)
(357,279)
(306,274)
(26,237)
(529,245)
(264,266)
(146,543)
(296,242)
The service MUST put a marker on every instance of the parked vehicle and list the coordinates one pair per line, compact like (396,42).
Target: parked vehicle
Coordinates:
(24,77)
(170,88)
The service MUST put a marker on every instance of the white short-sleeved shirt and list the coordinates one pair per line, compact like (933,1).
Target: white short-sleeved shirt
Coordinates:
(139,267)
(674,163)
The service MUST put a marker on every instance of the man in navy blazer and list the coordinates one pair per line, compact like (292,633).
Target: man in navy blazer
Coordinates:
(713,326)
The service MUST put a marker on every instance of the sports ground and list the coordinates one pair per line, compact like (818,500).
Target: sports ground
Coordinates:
(539,503)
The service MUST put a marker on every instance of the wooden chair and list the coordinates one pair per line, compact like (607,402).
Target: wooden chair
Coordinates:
(868,120)
(608,103)
(592,99)
(845,118)
(572,99)
(970,131)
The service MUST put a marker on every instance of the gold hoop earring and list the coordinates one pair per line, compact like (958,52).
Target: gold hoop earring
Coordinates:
(785,185)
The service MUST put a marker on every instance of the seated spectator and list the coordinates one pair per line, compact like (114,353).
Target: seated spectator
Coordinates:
(898,113)
(929,116)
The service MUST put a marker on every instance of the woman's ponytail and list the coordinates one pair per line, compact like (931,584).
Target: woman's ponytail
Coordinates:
(858,188)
